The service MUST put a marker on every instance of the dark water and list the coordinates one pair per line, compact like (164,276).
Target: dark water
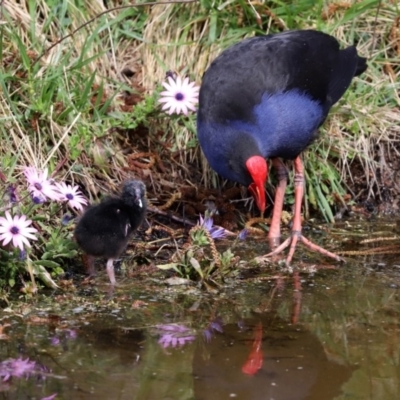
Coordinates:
(330,334)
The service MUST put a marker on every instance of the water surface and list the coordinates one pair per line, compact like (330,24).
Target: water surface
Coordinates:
(328,334)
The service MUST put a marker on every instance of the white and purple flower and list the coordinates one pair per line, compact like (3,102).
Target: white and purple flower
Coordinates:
(16,229)
(180,96)
(40,187)
(72,195)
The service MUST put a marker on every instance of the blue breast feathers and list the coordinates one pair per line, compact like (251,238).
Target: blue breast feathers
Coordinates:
(286,123)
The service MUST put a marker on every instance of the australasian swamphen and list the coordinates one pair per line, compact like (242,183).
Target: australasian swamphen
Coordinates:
(104,229)
(265,98)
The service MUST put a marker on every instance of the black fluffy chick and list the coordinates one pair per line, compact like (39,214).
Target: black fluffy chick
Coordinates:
(104,229)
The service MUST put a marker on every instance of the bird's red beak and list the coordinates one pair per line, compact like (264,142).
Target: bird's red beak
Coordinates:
(258,169)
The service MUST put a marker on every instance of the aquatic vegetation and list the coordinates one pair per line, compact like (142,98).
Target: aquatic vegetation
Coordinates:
(199,258)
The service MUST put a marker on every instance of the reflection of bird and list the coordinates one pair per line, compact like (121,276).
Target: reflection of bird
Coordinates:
(287,362)
(265,97)
(255,359)
(104,229)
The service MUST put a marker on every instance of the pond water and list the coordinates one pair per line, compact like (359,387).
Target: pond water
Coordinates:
(329,334)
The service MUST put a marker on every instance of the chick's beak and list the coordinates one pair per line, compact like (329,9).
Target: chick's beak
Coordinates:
(139,195)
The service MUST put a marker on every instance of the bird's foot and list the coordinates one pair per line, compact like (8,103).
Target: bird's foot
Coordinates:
(292,241)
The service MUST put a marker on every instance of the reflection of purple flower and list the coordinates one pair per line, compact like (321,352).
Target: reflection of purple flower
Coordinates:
(214,326)
(51,397)
(65,334)
(174,334)
(171,340)
(241,325)
(207,334)
(71,333)
(17,367)
(216,232)
(55,341)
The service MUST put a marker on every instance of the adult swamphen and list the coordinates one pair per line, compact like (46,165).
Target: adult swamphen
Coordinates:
(265,98)
(105,228)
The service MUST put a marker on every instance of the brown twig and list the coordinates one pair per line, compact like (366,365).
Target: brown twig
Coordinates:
(380,239)
(256,231)
(156,210)
(134,164)
(393,249)
(175,196)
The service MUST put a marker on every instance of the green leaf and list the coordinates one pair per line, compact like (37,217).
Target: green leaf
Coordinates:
(46,263)
(196,265)
(45,277)
(165,267)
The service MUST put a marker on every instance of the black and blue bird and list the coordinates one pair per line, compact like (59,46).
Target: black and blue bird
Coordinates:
(265,98)
(105,229)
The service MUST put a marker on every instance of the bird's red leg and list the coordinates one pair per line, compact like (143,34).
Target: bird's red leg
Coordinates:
(296,230)
(298,200)
(274,234)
